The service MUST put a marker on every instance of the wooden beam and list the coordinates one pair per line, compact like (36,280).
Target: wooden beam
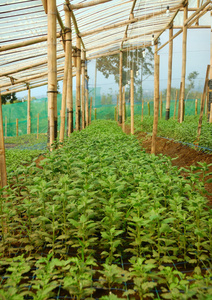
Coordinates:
(65,79)
(87,4)
(183,73)
(168,96)
(3,172)
(156,101)
(52,71)
(196,12)
(26,43)
(44,2)
(120,86)
(28,111)
(30,66)
(123,23)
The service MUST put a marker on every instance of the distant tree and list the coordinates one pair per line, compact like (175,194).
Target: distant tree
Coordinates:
(58,88)
(132,60)
(8,98)
(191,78)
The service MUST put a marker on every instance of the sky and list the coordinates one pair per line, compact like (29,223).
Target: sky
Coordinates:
(198,57)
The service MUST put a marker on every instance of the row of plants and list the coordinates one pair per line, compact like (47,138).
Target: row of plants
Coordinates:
(185,132)
(103,219)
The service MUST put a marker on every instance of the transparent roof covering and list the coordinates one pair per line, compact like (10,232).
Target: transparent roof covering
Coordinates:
(104,28)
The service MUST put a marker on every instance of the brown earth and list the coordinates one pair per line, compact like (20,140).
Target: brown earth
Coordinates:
(184,156)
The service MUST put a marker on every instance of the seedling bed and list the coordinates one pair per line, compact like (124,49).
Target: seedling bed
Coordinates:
(100,218)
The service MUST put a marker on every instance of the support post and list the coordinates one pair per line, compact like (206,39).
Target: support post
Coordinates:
(183,74)
(175,106)
(168,96)
(52,71)
(132,100)
(16,127)
(3,172)
(120,86)
(196,103)
(161,105)
(28,112)
(83,88)
(68,51)
(78,75)
(37,126)
(179,104)
(117,108)
(156,100)
(70,122)
(123,109)
(86,97)
(90,111)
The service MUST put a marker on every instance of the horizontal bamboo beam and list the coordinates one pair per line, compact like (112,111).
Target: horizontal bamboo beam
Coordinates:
(25,43)
(196,12)
(132,20)
(26,67)
(194,27)
(87,4)
(118,51)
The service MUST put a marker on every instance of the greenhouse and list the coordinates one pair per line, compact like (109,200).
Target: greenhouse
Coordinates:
(105,195)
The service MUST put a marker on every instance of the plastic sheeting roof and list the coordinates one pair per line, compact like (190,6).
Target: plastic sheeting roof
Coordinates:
(104,28)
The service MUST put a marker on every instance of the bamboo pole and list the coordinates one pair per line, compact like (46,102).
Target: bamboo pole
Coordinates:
(52,68)
(117,108)
(95,113)
(3,171)
(16,127)
(179,104)
(175,105)
(196,103)
(66,77)
(168,96)
(78,74)
(142,110)
(28,112)
(132,100)
(70,123)
(5,126)
(203,103)
(156,101)
(87,97)
(210,117)
(183,74)
(87,4)
(161,105)
(120,86)
(148,104)
(90,111)
(83,88)
(123,109)
(95,80)
(37,126)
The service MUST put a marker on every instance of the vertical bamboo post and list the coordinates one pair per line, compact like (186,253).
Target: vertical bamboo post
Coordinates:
(132,101)
(95,113)
(86,97)
(202,103)
(95,82)
(37,126)
(161,105)
(5,126)
(78,74)
(156,100)
(90,111)
(168,96)
(123,109)
(210,116)
(16,127)
(148,104)
(70,121)
(179,104)
(52,69)
(117,108)
(68,51)
(142,110)
(183,74)
(175,105)
(207,103)
(28,111)
(3,172)
(83,88)
(120,86)
(196,103)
